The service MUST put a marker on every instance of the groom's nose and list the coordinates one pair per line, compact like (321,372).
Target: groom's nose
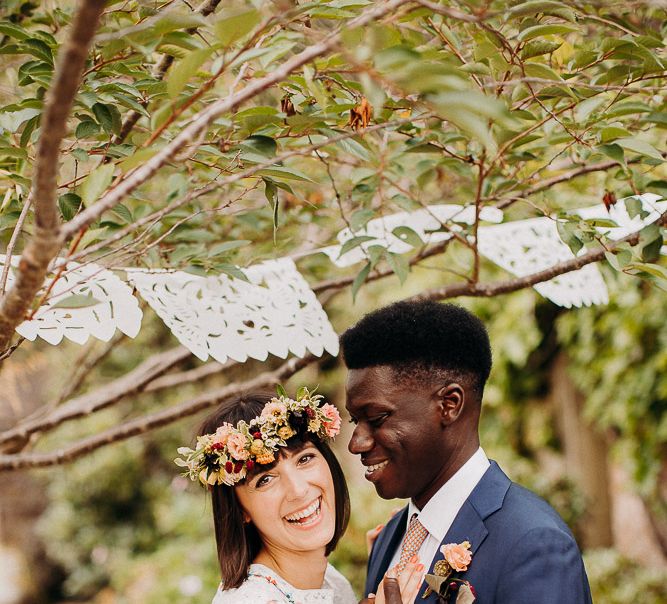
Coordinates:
(361,441)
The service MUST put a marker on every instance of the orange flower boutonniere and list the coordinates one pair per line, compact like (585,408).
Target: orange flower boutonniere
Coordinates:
(456,558)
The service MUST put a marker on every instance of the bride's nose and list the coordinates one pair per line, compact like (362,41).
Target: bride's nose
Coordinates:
(296,484)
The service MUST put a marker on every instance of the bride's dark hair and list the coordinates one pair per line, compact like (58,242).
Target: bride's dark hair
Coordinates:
(238,542)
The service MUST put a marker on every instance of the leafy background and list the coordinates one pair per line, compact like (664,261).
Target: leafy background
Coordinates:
(534,107)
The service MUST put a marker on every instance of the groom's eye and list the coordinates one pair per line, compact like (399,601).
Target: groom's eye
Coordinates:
(378,420)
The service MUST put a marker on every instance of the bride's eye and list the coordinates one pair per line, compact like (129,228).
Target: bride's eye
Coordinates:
(263,480)
(304,459)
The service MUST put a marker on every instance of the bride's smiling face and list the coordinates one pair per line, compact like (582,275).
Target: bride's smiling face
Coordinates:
(292,504)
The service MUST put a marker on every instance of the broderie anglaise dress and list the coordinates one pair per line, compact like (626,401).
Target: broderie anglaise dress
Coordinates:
(264,585)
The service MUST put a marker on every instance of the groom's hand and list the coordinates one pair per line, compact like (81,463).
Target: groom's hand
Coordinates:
(391,592)
(399,589)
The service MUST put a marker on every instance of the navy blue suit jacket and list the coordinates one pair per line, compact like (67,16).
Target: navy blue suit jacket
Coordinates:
(522,551)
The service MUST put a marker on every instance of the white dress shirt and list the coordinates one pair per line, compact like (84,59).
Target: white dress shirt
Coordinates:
(441,510)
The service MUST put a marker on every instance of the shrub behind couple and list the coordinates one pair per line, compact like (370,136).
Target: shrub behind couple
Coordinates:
(416,374)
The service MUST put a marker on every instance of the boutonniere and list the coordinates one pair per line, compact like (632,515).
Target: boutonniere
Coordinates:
(457,557)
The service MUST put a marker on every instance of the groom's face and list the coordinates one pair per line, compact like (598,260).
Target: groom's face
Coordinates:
(398,435)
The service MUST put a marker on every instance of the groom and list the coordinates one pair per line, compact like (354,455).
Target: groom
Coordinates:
(414,390)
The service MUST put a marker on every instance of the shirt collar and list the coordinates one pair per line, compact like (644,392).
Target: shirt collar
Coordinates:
(439,512)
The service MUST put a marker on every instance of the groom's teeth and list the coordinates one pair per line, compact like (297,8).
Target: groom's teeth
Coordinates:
(376,466)
(311,509)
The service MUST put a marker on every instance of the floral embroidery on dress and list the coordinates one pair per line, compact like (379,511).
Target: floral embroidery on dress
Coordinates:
(288,596)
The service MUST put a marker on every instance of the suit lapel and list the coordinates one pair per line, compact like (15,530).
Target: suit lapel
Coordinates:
(485,499)
(384,549)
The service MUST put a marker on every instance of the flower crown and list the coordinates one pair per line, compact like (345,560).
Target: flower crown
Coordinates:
(226,456)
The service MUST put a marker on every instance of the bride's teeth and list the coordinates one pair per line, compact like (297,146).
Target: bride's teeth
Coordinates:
(311,509)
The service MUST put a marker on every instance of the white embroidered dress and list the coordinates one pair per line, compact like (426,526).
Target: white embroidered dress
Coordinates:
(264,586)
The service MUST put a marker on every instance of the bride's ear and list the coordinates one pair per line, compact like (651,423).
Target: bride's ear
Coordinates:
(246,518)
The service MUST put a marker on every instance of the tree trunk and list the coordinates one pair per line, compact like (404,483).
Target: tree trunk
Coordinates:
(585,454)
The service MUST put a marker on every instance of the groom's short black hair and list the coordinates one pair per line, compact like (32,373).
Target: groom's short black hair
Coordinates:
(417,338)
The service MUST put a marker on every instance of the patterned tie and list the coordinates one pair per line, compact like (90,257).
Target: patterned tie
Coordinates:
(413,541)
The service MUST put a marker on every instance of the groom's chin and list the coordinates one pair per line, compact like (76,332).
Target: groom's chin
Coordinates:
(388,491)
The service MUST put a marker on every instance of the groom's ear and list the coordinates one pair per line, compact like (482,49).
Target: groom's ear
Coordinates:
(451,400)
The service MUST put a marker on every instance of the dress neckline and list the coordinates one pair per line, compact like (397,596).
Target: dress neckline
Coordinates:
(287,589)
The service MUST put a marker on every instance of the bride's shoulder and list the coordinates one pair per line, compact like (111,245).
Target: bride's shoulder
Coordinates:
(340,585)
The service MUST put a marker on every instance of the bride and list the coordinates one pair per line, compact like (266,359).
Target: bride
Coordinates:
(280,501)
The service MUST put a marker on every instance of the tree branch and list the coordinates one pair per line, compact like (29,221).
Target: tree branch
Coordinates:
(131,383)
(204,118)
(12,243)
(487,290)
(47,239)
(173,380)
(150,422)
(206,189)
(506,201)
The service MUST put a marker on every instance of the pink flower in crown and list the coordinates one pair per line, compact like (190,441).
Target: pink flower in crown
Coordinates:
(332,427)
(222,434)
(274,410)
(236,445)
(457,555)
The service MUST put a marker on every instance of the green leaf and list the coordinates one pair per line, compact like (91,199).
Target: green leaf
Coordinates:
(229,29)
(568,232)
(227,246)
(193,235)
(28,129)
(96,183)
(103,115)
(13,31)
(185,69)
(232,271)
(137,158)
(263,145)
(79,154)
(650,241)
(77,301)
(614,152)
(91,236)
(280,390)
(400,265)
(534,7)
(359,219)
(654,270)
(359,280)
(375,252)
(86,129)
(639,146)
(536,48)
(611,133)
(350,244)
(283,173)
(160,115)
(38,48)
(538,70)
(634,206)
(172,21)
(123,212)
(545,30)
(408,235)
(69,204)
